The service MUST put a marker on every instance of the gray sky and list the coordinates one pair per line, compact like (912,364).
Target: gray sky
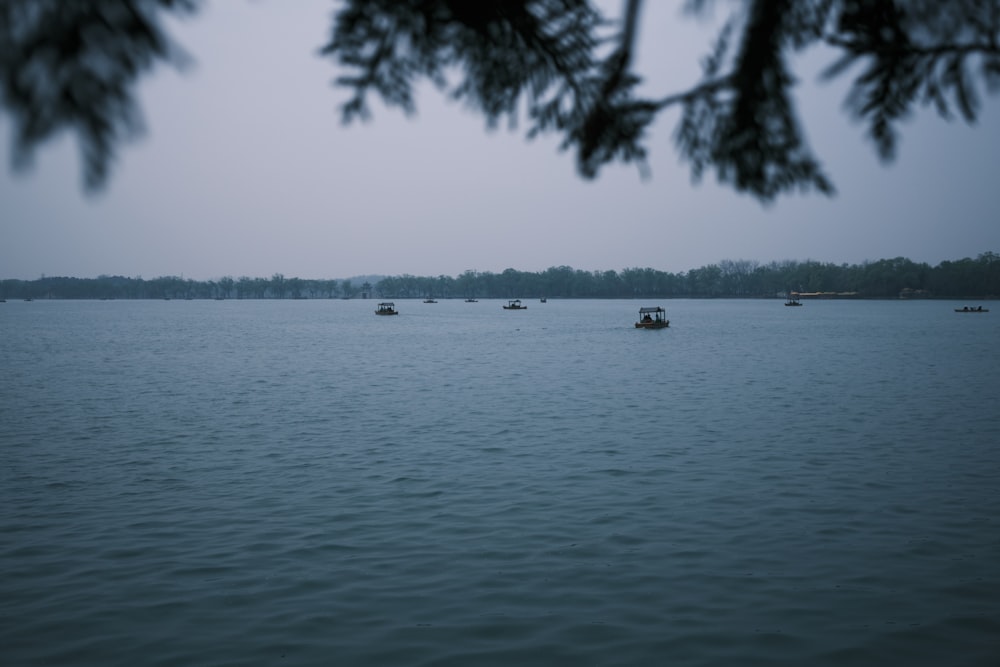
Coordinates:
(245,169)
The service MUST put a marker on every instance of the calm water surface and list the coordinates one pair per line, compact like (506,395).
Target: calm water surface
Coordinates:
(304,483)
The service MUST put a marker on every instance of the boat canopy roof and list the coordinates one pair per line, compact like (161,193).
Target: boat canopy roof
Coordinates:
(387,303)
(654,309)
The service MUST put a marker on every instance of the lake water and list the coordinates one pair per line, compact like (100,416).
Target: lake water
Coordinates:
(304,483)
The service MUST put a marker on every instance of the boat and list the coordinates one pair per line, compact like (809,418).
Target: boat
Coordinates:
(387,308)
(429,300)
(471,300)
(652,318)
(966,309)
(792,301)
(514,304)
(544,300)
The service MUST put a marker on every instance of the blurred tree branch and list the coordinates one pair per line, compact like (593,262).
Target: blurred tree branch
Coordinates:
(72,64)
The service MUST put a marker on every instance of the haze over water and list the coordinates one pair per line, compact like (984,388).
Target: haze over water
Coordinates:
(304,483)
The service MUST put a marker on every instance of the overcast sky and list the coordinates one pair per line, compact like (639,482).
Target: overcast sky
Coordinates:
(246,170)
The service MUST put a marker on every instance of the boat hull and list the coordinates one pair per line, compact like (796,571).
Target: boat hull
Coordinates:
(652,325)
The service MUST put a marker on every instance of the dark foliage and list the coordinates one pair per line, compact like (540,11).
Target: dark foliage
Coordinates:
(748,129)
(919,51)
(72,64)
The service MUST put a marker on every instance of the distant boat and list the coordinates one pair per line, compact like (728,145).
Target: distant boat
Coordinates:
(978,309)
(387,308)
(792,301)
(652,318)
(514,304)
(471,300)
(543,300)
(429,300)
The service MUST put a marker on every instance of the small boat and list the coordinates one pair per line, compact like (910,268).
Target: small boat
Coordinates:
(387,308)
(429,300)
(792,301)
(652,318)
(471,300)
(514,304)
(966,309)
(544,300)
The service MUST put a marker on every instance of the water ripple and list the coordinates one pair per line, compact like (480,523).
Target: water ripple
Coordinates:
(261,483)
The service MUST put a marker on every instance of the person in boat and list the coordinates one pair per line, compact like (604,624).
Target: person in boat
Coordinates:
(980,308)
(965,308)
(647,318)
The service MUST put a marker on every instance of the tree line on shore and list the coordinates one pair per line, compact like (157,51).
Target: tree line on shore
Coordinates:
(885,278)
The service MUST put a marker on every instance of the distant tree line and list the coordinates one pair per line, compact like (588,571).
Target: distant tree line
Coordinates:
(885,278)
(174,287)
